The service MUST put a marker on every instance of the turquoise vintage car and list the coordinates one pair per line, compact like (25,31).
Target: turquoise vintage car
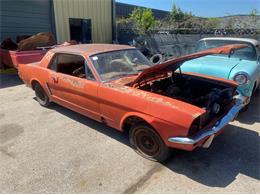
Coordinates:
(242,66)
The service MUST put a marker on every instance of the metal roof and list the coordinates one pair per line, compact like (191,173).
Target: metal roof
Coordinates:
(252,41)
(123,10)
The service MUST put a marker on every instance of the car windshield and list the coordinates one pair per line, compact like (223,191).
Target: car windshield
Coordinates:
(247,53)
(116,64)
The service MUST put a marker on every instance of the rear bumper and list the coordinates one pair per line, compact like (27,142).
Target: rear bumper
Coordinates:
(208,134)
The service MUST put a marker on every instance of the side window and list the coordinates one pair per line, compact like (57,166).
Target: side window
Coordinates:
(53,63)
(71,64)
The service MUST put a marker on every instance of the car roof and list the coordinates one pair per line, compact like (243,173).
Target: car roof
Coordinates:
(90,49)
(252,41)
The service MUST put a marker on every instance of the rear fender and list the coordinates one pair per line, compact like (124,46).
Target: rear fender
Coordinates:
(34,80)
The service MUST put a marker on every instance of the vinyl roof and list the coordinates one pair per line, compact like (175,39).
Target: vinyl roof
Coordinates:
(90,49)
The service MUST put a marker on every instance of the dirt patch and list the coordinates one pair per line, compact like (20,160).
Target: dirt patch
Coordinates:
(9,132)
(133,188)
(4,150)
(2,115)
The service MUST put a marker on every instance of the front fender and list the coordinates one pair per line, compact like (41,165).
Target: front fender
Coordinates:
(147,118)
(252,69)
(164,128)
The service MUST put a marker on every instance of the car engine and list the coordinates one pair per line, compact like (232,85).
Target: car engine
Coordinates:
(210,96)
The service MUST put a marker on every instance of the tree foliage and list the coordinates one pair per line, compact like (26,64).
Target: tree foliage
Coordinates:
(178,15)
(181,19)
(142,20)
(254,12)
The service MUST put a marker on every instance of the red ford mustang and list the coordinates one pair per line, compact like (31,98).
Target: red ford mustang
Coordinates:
(159,106)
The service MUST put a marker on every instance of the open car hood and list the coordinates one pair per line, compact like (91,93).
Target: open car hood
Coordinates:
(174,64)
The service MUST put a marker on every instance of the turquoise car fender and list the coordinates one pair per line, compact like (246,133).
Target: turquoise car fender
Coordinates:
(252,69)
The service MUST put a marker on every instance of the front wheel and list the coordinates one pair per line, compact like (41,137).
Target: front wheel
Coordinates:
(41,96)
(148,143)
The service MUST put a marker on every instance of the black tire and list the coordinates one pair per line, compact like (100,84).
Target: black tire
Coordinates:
(156,59)
(245,108)
(147,143)
(41,95)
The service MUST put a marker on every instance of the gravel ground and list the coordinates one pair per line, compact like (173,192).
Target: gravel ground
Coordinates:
(55,150)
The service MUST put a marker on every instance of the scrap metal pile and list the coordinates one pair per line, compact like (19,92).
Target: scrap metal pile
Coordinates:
(28,43)
(27,49)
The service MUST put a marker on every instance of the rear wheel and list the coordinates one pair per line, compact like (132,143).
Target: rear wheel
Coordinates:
(41,96)
(148,143)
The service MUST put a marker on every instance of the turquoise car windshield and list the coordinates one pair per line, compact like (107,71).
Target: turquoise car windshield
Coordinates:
(248,53)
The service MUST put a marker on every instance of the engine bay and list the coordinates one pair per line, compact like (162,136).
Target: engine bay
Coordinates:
(208,94)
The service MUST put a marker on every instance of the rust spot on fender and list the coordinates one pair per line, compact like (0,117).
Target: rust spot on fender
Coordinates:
(143,94)
(148,97)
(127,90)
(161,101)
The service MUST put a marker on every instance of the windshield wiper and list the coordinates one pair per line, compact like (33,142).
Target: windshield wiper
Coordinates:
(123,75)
(141,70)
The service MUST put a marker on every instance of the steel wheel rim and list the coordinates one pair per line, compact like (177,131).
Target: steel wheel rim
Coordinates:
(40,93)
(146,143)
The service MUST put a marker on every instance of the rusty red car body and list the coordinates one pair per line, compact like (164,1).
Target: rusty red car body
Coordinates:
(122,102)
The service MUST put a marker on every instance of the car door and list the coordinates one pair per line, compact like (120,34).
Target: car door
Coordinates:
(73,84)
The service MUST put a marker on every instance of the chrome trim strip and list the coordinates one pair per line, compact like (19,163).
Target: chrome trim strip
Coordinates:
(240,101)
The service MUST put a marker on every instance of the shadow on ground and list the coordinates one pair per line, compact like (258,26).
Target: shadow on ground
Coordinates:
(234,152)
(252,115)
(9,80)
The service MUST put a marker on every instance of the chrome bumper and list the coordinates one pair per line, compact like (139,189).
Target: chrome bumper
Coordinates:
(240,102)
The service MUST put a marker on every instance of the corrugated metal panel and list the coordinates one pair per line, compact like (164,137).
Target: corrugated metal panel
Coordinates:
(123,10)
(99,11)
(25,17)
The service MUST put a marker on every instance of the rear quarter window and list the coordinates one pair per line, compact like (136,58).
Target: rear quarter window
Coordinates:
(70,64)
